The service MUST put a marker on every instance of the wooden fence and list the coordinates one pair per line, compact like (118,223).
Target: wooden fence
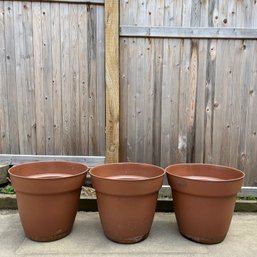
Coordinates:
(185,72)
(52,85)
(188,72)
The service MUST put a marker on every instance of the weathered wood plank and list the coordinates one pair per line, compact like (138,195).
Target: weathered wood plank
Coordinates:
(170,103)
(112,79)
(13,159)
(156,96)
(139,85)
(236,102)
(139,108)
(100,80)
(209,99)
(191,112)
(83,78)
(183,119)
(201,109)
(4,123)
(187,32)
(29,68)
(92,78)
(251,121)
(74,79)
(155,75)
(38,78)
(131,102)
(98,2)
(219,119)
(66,77)
(10,82)
(47,77)
(23,54)
(124,93)
(244,81)
(56,78)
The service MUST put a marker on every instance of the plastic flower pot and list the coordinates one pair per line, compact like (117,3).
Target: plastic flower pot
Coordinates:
(47,197)
(204,198)
(126,198)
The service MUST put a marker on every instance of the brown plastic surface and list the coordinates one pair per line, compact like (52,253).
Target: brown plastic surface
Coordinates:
(204,199)
(126,198)
(47,197)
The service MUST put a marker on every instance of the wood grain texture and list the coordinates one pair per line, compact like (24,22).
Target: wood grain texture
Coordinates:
(97,2)
(186,91)
(187,32)
(112,79)
(4,122)
(201,74)
(52,88)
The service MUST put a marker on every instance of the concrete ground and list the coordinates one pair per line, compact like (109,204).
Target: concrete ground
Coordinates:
(87,239)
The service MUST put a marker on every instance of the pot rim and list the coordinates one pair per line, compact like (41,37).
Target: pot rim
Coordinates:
(127,163)
(206,165)
(10,171)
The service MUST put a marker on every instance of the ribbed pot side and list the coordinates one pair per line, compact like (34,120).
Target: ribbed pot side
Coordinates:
(47,197)
(126,198)
(204,198)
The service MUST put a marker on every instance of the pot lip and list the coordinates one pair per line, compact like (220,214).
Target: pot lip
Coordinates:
(127,163)
(48,178)
(206,165)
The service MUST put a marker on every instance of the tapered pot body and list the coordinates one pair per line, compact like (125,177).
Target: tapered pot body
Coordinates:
(204,198)
(47,197)
(126,198)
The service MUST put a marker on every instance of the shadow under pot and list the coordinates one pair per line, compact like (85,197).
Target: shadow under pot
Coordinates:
(126,198)
(204,198)
(47,197)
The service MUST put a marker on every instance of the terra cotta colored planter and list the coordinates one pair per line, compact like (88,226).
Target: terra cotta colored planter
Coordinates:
(47,197)
(204,198)
(126,198)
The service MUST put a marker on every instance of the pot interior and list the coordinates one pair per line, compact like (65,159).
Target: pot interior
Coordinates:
(127,171)
(48,170)
(205,172)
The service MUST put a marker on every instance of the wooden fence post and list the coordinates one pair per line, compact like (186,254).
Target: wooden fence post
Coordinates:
(112,79)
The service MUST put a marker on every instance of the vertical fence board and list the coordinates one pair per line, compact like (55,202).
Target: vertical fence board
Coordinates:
(92,80)
(124,92)
(183,100)
(158,80)
(251,123)
(209,99)
(235,103)
(38,79)
(219,127)
(29,65)
(112,79)
(83,79)
(56,78)
(131,103)
(10,82)
(23,77)
(66,78)
(74,80)
(170,105)
(100,81)
(47,77)
(201,109)
(4,124)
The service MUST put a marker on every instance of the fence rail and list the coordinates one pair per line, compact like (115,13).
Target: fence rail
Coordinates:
(200,33)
